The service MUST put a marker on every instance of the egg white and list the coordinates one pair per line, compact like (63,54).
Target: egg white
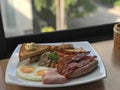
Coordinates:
(33,75)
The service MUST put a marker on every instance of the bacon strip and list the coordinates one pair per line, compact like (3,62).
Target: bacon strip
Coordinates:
(78,57)
(73,66)
(69,64)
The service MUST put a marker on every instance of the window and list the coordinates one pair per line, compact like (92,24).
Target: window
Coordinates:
(67,20)
(17,17)
(22,17)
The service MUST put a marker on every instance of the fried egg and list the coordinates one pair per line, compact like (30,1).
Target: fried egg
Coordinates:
(31,71)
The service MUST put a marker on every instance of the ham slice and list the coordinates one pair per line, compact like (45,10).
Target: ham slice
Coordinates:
(53,77)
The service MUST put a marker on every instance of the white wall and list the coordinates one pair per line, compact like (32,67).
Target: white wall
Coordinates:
(17,16)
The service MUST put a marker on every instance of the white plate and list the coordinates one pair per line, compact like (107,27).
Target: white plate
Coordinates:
(97,74)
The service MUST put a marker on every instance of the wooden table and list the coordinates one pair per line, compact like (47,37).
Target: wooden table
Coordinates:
(111,60)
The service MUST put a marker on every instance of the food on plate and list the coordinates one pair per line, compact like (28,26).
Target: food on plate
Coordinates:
(53,77)
(31,71)
(65,46)
(48,59)
(30,46)
(76,50)
(31,50)
(53,48)
(53,64)
(33,58)
(77,65)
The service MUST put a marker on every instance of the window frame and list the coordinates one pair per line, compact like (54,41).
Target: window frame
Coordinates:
(91,34)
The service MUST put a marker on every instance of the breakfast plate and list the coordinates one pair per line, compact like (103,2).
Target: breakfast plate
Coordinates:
(98,74)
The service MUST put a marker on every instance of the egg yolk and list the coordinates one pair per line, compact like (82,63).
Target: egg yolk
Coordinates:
(40,73)
(27,69)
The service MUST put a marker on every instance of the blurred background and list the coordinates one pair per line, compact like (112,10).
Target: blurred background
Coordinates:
(22,17)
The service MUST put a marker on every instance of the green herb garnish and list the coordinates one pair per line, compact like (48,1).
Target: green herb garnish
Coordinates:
(53,56)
